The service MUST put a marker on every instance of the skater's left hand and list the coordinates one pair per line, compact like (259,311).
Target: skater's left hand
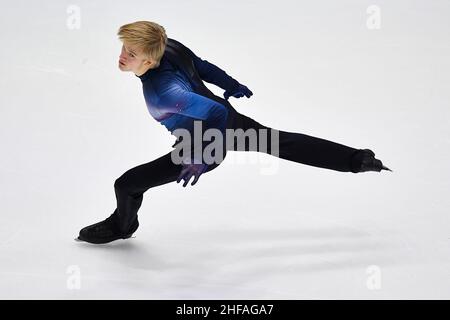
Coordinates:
(190,170)
(238,92)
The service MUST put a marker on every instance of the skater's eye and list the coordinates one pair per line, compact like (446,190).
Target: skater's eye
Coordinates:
(129,52)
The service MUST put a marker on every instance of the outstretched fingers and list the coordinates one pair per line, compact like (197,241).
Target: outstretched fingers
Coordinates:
(182,174)
(197,175)
(188,171)
(187,178)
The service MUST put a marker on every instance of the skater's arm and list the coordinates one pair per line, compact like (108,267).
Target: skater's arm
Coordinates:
(195,106)
(190,107)
(212,73)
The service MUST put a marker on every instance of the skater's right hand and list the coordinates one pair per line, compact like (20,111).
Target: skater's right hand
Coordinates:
(190,170)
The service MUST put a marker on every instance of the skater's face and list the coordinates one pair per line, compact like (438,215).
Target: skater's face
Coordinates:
(132,59)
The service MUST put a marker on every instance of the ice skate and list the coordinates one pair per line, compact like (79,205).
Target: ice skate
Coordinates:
(105,231)
(364,160)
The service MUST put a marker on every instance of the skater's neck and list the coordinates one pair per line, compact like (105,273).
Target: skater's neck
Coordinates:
(143,71)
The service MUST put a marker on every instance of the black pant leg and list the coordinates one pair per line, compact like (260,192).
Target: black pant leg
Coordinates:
(315,151)
(297,147)
(131,185)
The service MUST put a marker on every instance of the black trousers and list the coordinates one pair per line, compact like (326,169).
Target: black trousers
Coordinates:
(297,147)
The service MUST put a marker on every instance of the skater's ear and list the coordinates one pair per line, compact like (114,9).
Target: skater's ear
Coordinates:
(149,63)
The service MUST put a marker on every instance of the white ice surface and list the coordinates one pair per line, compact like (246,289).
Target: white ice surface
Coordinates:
(71,123)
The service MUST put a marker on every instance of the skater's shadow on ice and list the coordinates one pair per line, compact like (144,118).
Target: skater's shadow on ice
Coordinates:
(245,255)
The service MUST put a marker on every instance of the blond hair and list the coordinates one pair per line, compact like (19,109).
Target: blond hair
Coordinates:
(148,36)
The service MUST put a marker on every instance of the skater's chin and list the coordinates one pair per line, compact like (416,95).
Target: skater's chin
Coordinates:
(124,70)
(123,67)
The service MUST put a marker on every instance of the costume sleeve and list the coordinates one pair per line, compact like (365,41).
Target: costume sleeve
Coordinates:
(190,104)
(212,73)
(195,107)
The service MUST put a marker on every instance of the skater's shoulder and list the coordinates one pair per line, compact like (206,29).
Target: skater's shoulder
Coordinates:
(169,83)
(156,74)
(176,44)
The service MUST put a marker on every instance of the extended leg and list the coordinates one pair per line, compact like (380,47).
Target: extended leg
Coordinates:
(304,148)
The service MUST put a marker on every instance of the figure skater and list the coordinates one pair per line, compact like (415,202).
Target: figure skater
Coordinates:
(172,79)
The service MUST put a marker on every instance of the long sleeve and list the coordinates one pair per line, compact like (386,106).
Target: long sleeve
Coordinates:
(190,107)
(212,73)
(193,105)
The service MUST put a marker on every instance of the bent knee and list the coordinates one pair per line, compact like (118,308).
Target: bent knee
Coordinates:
(121,183)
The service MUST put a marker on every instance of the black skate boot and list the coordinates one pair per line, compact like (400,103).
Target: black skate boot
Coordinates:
(105,231)
(364,160)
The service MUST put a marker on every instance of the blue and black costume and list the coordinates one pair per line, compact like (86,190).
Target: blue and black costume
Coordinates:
(176,96)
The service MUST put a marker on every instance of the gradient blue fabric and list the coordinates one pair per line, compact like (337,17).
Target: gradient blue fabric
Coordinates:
(171,100)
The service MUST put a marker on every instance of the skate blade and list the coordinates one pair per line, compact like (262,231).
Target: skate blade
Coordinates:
(79,240)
